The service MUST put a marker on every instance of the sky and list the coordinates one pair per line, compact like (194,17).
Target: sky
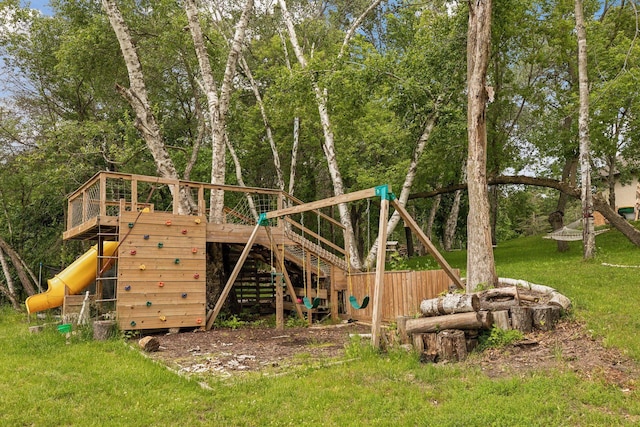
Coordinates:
(42,5)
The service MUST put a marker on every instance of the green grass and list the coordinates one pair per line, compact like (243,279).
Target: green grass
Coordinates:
(46,381)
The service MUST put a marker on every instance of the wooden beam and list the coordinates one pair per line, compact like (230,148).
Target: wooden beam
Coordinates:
(378,292)
(285,274)
(234,274)
(408,219)
(344,198)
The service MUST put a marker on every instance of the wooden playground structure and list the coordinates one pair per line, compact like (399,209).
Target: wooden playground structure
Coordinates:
(292,255)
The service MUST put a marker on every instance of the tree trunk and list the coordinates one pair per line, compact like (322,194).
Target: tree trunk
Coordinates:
(452,346)
(588,235)
(480,262)
(136,96)
(599,203)
(18,264)
(218,105)
(408,180)
(267,125)
(9,291)
(452,223)
(432,216)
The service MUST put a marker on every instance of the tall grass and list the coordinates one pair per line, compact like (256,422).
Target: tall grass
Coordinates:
(47,380)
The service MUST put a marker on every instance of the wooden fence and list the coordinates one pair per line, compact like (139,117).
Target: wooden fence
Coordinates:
(403,292)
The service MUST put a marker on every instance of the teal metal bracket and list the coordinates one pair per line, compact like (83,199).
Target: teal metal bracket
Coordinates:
(383,192)
(262,219)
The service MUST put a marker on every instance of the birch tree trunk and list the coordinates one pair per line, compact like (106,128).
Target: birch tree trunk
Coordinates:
(432,216)
(408,180)
(137,97)
(452,222)
(267,125)
(588,235)
(19,265)
(218,105)
(328,145)
(9,291)
(480,262)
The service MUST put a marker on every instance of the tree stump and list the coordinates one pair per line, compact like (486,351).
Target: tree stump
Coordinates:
(559,300)
(418,343)
(472,340)
(545,317)
(521,319)
(149,344)
(452,345)
(501,319)
(103,329)
(430,346)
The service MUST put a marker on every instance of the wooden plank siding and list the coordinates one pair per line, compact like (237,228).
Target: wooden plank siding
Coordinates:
(403,292)
(161,271)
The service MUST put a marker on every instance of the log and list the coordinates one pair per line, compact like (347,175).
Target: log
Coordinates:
(510,292)
(486,318)
(521,319)
(103,329)
(544,317)
(471,320)
(149,344)
(501,319)
(450,304)
(559,300)
(452,345)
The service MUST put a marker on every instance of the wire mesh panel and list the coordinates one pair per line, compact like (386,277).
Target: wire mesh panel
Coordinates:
(92,201)
(116,190)
(249,207)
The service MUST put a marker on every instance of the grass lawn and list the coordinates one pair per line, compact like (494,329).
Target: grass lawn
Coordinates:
(46,381)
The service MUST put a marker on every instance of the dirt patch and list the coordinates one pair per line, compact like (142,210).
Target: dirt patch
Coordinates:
(570,347)
(227,352)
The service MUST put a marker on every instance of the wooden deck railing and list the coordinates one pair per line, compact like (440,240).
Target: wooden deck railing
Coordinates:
(106,194)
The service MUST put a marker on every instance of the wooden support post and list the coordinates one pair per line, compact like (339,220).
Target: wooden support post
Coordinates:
(281,269)
(334,298)
(279,303)
(234,274)
(308,285)
(378,292)
(408,219)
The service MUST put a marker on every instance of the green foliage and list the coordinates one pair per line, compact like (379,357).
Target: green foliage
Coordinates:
(498,338)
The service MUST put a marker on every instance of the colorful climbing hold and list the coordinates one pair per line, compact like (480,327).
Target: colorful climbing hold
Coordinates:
(149,303)
(167,222)
(184,295)
(133,323)
(162,318)
(184,231)
(194,250)
(127,288)
(132,252)
(197,220)
(142,267)
(177,261)
(146,237)
(198,320)
(130,225)
(160,284)
(160,245)
(196,276)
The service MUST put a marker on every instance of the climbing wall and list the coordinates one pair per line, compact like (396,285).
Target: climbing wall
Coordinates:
(161,271)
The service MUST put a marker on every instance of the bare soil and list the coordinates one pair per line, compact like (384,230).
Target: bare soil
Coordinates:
(229,352)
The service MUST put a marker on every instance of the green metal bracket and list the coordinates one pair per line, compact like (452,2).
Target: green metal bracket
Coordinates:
(262,219)
(384,193)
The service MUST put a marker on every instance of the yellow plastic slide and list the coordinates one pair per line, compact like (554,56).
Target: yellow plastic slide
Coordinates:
(75,277)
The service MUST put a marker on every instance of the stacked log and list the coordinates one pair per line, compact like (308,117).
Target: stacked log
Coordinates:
(451,323)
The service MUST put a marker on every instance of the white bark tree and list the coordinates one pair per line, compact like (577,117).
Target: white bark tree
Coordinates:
(481,268)
(588,235)
(408,181)
(328,146)
(137,97)
(217,99)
